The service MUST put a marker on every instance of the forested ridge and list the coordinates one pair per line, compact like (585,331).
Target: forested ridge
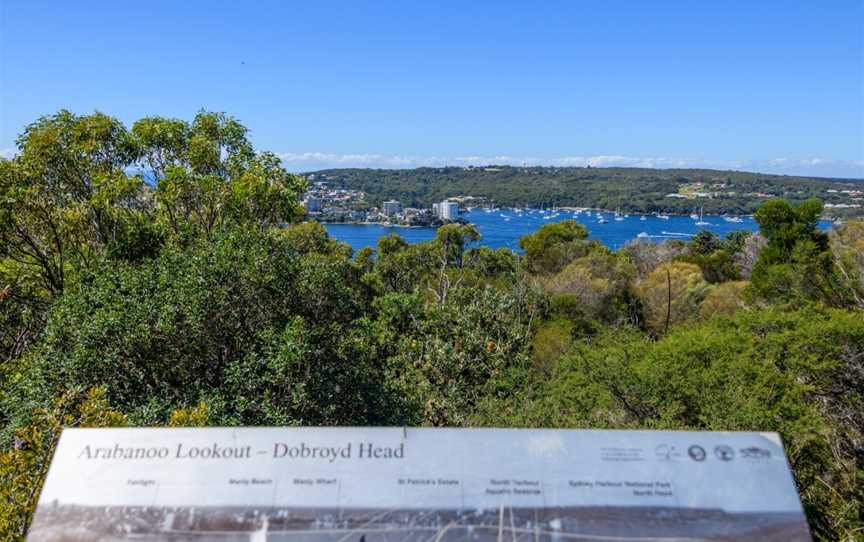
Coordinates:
(633,190)
(207,299)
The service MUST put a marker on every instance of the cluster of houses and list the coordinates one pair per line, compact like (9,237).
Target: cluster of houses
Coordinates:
(339,205)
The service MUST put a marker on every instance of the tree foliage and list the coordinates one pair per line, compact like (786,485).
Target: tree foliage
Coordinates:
(67,196)
(207,174)
(847,244)
(796,264)
(798,373)
(671,294)
(553,246)
(24,464)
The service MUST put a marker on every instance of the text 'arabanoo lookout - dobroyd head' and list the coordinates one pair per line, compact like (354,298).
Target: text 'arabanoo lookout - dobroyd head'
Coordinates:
(216,451)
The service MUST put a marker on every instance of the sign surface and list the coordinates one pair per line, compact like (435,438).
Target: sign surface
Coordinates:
(416,485)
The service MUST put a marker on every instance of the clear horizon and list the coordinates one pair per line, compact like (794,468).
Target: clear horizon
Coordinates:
(771,88)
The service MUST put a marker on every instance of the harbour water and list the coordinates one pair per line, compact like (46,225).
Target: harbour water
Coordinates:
(504,227)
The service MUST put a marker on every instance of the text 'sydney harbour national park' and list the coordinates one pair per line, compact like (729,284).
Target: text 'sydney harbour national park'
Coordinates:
(449,272)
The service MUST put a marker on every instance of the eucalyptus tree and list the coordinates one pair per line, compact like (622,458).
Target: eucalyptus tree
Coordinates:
(796,265)
(67,195)
(208,174)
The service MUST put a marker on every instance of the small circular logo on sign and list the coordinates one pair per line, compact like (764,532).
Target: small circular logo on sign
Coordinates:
(724,453)
(696,453)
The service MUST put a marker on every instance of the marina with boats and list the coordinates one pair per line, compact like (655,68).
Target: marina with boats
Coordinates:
(501,227)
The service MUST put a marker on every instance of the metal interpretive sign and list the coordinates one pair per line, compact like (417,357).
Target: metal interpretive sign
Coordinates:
(416,485)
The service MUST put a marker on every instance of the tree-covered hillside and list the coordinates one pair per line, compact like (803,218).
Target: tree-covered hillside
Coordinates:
(209,300)
(633,190)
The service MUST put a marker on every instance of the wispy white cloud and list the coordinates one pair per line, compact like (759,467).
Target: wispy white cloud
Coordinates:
(309,161)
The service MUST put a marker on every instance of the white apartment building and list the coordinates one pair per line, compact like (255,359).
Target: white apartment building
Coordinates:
(448,210)
(390,208)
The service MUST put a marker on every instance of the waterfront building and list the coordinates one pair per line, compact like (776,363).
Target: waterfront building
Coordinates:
(391,208)
(357,215)
(449,210)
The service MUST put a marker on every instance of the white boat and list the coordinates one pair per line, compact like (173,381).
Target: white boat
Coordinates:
(643,235)
(701,221)
(733,219)
(602,220)
(618,217)
(663,217)
(694,216)
(643,218)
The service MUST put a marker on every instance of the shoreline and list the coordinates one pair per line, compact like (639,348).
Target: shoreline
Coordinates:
(383,225)
(511,209)
(828,218)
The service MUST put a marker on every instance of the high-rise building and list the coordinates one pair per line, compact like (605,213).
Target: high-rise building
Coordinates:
(390,208)
(449,210)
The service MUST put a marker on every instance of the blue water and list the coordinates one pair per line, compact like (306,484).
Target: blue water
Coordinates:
(503,228)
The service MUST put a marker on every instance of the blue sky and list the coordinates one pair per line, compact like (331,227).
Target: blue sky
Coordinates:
(767,86)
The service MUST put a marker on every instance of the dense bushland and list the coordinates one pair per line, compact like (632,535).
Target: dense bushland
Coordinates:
(205,299)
